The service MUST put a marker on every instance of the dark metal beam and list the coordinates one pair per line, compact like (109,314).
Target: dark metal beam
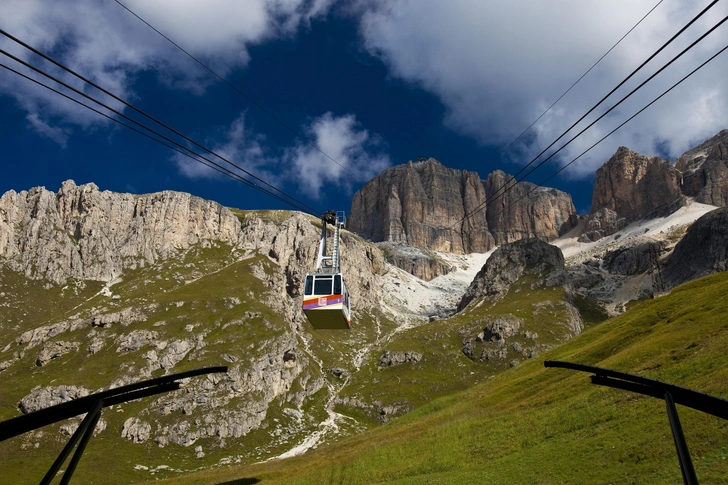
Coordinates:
(706,403)
(683,454)
(53,470)
(28,422)
(80,449)
(661,390)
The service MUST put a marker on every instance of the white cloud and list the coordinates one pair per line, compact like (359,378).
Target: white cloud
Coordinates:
(497,65)
(106,44)
(358,155)
(237,144)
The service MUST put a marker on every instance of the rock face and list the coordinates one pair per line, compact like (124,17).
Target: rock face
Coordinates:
(703,250)
(50,396)
(705,171)
(390,358)
(526,211)
(629,260)
(418,204)
(629,187)
(84,233)
(422,263)
(510,262)
(422,205)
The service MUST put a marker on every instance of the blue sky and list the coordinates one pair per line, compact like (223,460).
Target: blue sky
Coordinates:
(373,83)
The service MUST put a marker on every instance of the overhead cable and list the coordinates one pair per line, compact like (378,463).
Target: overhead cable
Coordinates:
(211,163)
(234,88)
(513,178)
(582,76)
(143,113)
(623,123)
(225,171)
(508,186)
(131,106)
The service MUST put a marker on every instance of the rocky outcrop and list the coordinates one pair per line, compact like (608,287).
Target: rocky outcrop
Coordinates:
(705,171)
(53,350)
(423,204)
(525,211)
(508,263)
(84,233)
(703,250)
(602,223)
(422,263)
(427,205)
(629,187)
(629,260)
(50,396)
(390,358)
(136,430)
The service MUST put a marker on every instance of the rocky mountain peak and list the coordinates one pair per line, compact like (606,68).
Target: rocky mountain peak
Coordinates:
(429,206)
(421,204)
(715,148)
(84,233)
(628,187)
(705,171)
(634,185)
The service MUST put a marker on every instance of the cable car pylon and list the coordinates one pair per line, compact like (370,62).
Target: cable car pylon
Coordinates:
(326,300)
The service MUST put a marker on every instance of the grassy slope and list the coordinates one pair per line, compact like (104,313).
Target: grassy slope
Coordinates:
(535,425)
(206,305)
(444,368)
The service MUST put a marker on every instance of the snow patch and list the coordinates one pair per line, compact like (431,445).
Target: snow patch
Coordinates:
(655,229)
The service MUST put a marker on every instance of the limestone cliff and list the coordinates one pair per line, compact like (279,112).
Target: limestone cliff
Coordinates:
(423,205)
(84,233)
(526,211)
(705,171)
(633,185)
(628,187)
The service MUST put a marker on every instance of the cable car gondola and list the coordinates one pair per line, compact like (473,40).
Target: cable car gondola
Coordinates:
(325,297)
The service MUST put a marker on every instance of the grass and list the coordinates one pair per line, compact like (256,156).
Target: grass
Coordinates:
(444,367)
(535,425)
(211,289)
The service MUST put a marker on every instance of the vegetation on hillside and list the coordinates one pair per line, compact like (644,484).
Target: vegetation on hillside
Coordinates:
(535,425)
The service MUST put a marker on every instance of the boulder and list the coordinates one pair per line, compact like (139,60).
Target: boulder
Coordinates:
(510,262)
(390,358)
(53,350)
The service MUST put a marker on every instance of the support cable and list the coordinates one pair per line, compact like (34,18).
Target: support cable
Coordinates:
(623,123)
(506,187)
(126,103)
(578,80)
(234,88)
(224,171)
(300,204)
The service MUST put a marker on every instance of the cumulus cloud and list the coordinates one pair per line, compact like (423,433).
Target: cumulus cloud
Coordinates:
(106,44)
(358,155)
(496,66)
(237,144)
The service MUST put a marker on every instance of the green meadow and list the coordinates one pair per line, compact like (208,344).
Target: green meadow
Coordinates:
(535,425)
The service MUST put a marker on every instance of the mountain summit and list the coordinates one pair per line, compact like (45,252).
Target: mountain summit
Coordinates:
(427,205)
